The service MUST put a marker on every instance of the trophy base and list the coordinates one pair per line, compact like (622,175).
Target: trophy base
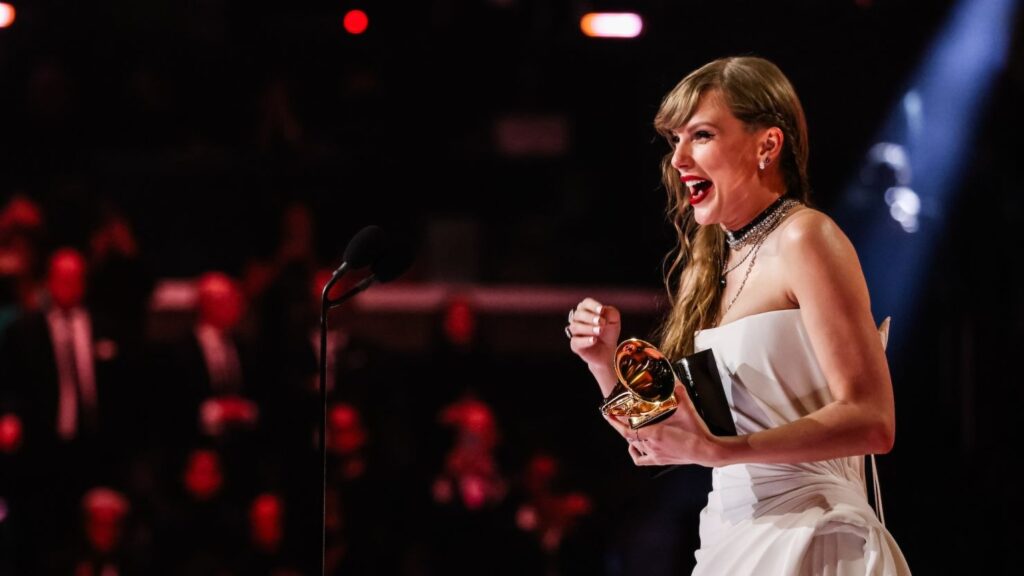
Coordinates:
(654,416)
(638,412)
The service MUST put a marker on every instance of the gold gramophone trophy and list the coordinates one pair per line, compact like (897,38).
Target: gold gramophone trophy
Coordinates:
(645,393)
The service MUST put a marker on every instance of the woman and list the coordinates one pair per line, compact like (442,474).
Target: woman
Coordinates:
(775,289)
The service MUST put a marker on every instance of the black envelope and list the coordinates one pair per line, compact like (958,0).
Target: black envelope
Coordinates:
(699,374)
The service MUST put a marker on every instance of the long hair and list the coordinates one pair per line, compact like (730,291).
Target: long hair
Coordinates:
(760,96)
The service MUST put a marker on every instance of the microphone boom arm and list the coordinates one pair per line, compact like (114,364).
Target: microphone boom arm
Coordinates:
(362,285)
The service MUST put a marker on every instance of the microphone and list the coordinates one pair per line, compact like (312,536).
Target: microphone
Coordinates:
(390,265)
(386,263)
(364,249)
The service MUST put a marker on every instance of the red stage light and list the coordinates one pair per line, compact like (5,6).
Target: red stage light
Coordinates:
(356,21)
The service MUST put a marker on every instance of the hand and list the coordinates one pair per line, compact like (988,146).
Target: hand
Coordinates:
(218,414)
(682,438)
(595,332)
(240,410)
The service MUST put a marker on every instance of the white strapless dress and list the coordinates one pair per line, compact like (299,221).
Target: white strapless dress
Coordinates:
(811,518)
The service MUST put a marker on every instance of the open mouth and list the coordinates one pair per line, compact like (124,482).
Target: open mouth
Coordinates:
(698,190)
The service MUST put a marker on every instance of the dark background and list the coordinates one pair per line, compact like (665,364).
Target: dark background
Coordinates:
(157,107)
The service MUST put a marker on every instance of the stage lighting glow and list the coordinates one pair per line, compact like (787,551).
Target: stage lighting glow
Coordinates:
(895,157)
(904,206)
(913,109)
(6,15)
(612,25)
(356,22)
(918,162)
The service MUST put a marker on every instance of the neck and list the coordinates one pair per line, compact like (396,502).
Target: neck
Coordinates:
(752,211)
(757,229)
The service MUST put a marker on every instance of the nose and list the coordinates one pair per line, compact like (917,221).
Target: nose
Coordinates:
(681,156)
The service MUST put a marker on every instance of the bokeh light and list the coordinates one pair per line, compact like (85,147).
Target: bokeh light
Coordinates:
(356,21)
(6,15)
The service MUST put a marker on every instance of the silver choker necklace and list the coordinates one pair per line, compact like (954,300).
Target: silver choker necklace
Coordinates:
(761,225)
(754,233)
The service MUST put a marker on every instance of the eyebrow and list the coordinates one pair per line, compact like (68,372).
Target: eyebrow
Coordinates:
(695,125)
(690,127)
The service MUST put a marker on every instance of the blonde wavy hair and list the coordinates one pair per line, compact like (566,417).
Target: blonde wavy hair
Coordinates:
(760,96)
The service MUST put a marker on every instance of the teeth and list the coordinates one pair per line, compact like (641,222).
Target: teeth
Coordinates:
(692,184)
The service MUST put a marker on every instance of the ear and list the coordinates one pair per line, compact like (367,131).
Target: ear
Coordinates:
(771,143)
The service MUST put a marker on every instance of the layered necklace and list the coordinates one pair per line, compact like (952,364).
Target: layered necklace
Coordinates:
(754,235)
(761,225)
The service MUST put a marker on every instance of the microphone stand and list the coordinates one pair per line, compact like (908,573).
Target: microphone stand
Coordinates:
(323,423)
(326,304)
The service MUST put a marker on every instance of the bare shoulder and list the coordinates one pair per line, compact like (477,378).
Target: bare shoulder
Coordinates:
(808,231)
(820,262)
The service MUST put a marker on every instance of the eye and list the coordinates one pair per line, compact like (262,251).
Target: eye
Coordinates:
(702,135)
(673,139)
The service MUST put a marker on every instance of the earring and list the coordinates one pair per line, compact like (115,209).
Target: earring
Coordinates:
(763,163)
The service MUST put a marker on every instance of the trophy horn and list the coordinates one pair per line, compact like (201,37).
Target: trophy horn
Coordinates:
(645,392)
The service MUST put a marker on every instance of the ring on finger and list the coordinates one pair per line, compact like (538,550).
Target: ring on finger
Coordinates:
(639,443)
(568,333)
(571,312)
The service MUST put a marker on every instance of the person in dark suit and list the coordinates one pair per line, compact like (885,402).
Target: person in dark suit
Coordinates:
(43,354)
(210,389)
(63,365)
(62,379)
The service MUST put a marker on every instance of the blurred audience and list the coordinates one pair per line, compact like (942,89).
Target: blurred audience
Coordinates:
(106,546)
(215,443)
(460,324)
(269,552)
(63,367)
(203,477)
(346,442)
(120,279)
(200,522)
(120,286)
(551,517)
(210,375)
(461,368)
(64,379)
(22,231)
(545,512)
(10,433)
(470,478)
(358,528)
(212,386)
(471,512)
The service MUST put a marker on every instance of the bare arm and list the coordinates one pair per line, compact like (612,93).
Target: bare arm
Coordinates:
(823,276)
